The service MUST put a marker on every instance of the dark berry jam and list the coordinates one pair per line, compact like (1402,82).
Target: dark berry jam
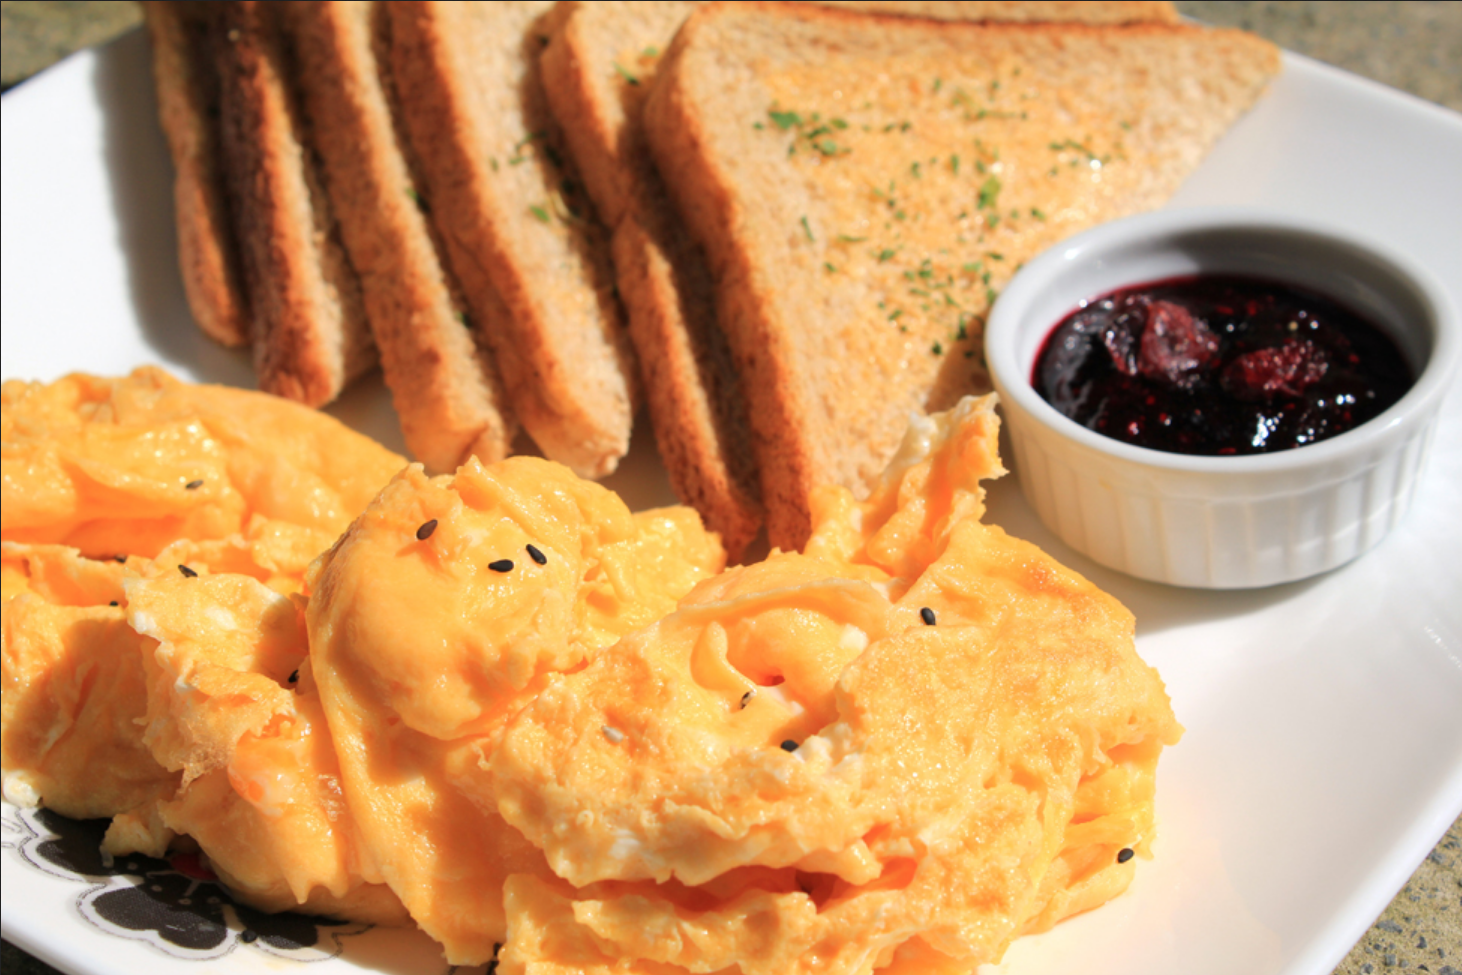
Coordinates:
(1219,365)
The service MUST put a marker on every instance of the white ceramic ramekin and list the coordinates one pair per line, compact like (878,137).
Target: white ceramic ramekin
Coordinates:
(1222,522)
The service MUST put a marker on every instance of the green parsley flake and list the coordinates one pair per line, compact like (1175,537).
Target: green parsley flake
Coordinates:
(989,191)
(1075,146)
(785,120)
(540,212)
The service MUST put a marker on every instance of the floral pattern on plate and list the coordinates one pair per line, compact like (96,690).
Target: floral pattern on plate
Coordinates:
(176,905)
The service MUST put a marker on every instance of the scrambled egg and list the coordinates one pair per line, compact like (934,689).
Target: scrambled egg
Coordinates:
(899,750)
(426,640)
(505,706)
(153,533)
(129,466)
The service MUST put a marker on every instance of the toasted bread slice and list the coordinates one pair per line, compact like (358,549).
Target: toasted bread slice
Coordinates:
(443,382)
(1021,11)
(863,186)
(597,70)
(311,337)
(187,103)
(515,221)
(592,72)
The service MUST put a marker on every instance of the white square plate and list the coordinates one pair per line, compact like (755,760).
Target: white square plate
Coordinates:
(1323,757)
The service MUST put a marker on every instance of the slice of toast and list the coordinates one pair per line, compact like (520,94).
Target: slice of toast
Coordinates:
(515,222)
(596,71)
(310,333)
(864,185)
(187,102)
(1021,11)
(443,381)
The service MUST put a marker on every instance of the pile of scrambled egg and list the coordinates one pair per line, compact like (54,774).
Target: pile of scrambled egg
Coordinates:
(548,729)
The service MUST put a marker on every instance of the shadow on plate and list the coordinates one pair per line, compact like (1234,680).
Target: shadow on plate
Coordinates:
(140,170)
(1158,607)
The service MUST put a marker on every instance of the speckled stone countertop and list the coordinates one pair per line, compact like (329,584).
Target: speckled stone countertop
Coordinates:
(1414,46)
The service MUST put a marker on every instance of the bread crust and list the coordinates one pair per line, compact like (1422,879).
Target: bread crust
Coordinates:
(820,413)
(505,203)
(311,337)
(443,383)
(1020,11)
(691,387)
(597,70)
(188,108)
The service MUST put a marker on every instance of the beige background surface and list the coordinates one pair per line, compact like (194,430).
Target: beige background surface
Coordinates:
(1414,46)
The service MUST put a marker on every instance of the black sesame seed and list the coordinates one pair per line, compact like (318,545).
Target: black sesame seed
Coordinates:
(501,565)
(1124,855)
(294,677)
(120,558)
(187,572)
(789,745)
(113,603)
(536,555)
(193,485)
(424,532)
(927,615)
(746,698)
(248,936)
